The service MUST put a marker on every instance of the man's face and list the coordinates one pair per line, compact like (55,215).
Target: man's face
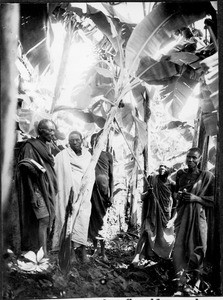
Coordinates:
(162,170)
(192,159)
(75,142)
(47,132)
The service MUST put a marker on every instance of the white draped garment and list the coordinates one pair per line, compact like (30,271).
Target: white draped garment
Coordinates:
(70,169)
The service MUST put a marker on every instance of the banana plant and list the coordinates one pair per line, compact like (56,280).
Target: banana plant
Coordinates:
(179,69)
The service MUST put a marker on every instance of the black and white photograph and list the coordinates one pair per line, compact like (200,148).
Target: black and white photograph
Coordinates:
(111,150)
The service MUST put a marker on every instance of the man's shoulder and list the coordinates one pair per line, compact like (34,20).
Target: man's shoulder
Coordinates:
(152,178)
(207,174)
(26,145)
(62,152)
(29,141)
(86,153)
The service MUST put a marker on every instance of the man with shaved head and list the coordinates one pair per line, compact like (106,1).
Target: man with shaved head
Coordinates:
(195,200)
(70,165)
(156,238)
(36,187)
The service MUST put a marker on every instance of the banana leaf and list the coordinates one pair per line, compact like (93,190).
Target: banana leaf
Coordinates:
(156,72)
(111,24)
(103,24)
(176,92)
(157,28)
(87,117)
(210,65)
(82,97)
(33,33)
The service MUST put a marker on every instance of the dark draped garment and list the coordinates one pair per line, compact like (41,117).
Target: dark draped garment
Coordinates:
(156,212)
(100,198)
(34,170)
(194,222)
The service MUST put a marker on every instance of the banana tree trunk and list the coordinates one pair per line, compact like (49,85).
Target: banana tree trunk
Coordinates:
(62,69)
(146,153)
(204,160)
(220,165)
(9,43)
(218,222)
(88,178)
(134,199)
(197,128)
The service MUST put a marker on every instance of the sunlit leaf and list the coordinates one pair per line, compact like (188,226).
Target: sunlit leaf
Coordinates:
(176,93)
(87,117)
(101,21)
(157,28)
(44,261)
(142,132)
(104,72)
(210,66)
(156,72)
(39,254)
(42,267)
(31,256)
(105,90)
(82,99)
(28,267)
(181,58)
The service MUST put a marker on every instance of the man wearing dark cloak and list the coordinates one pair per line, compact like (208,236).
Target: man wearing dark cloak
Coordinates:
(195,201)
(101,198)
(36,188)
(157,233)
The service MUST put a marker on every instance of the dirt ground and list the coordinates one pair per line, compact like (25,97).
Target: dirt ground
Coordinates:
(117,278)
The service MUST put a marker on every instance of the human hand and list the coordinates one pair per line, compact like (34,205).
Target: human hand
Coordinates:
(36,200)
(189,197)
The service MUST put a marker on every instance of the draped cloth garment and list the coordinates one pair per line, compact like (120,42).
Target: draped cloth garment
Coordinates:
(28,179)
(70,169)
(156,212)
(100,197)
(194,221)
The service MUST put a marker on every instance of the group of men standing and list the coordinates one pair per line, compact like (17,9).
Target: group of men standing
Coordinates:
(44,182)
(177,219)
(175,215)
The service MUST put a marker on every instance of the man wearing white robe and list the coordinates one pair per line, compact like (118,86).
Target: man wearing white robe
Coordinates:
(70,166)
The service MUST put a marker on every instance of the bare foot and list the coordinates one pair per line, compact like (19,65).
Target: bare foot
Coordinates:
(96,253)
(73,257)
(85,259)
(105,259)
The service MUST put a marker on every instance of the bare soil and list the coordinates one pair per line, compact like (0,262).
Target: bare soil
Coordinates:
(116,278)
